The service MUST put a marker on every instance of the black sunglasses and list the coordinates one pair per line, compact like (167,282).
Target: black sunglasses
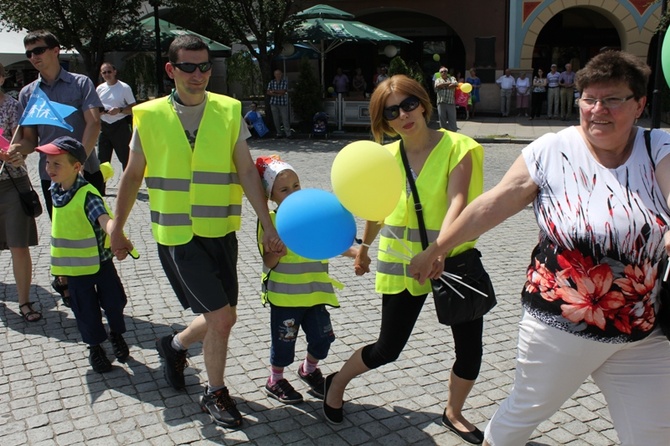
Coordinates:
(407,105)
(188,67)
(37,51)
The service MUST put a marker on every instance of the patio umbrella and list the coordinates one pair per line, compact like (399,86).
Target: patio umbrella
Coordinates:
(325,28)
(142,38)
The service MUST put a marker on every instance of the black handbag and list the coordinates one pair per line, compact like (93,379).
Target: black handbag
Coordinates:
(30,201)
(663,315)
(472,295)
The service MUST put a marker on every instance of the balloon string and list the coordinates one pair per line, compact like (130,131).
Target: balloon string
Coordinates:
(390,251)
(458,279)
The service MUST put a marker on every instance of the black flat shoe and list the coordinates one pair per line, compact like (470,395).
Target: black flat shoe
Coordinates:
(332,415)
(474,437)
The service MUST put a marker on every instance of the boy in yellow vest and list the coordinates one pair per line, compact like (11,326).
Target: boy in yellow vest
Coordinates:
(298,290)
(79,252)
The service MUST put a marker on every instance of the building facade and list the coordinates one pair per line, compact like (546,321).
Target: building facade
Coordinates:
(493,35)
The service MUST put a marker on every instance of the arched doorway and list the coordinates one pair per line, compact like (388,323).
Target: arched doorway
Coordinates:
(574,36)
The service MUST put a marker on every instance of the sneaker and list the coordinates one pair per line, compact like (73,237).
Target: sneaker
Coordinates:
(315,381)
(174,362)
(221,407)
(283,391)
(98,359)
(119,346)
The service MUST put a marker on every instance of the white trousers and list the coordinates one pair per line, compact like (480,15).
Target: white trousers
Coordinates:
(551,366)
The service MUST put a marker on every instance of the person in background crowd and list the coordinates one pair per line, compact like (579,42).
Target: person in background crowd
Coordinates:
(358,82)
(506,83)
(341,82)
(278,92)
(476,83)
(553,93)
(118,100)
(567,83)
(522,94)
(445,88)
(539,94)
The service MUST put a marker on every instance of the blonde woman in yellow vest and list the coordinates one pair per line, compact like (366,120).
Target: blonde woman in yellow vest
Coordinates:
(192,147)
(298,290)
(448,174)
(80,252)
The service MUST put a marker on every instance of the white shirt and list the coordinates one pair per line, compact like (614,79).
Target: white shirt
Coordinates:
(506,82)
(117,95)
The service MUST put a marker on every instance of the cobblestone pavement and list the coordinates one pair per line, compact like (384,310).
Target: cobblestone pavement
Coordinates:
(50,396)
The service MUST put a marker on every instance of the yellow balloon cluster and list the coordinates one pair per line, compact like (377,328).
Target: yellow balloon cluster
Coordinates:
(367,180)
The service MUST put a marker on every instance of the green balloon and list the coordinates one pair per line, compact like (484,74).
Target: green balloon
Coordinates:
(436,57)
(665,57)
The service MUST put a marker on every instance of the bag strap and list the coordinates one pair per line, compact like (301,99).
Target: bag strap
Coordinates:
(415,193)
(647,142)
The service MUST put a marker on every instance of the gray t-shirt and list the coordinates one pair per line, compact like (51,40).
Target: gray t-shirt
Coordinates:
(71,89)
(190,118)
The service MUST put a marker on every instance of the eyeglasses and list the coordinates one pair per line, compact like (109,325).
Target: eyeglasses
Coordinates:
(106,72)
(37,51)
(407,105)
(443,71)
(188,67)
(608,103)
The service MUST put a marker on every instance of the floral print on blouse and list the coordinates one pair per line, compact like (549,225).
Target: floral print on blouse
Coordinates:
(9,119)
(595,270)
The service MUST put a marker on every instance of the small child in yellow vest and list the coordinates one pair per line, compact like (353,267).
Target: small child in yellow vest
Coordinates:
(298,290)
(80,223)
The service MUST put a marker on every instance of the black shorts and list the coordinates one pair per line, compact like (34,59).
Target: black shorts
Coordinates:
(203,272)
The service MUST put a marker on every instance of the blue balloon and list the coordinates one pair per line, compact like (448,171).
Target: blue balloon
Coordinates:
(314,224)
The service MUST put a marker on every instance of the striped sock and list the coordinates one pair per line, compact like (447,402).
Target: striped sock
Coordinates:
(276,374)
(309,366)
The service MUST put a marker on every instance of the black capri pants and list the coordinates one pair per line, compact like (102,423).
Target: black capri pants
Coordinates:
(399,314)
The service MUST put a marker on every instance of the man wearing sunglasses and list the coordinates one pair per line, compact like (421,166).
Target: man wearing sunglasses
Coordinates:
(192,146)
(445,87)
(118,100)
(77,90)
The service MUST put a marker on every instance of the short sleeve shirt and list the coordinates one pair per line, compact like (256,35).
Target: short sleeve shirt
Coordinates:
(118,95)
(594,271)
(71,89)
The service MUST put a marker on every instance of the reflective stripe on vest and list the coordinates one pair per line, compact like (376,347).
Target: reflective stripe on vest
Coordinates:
(297,281)
(392,266)
(74,247)
(191,191)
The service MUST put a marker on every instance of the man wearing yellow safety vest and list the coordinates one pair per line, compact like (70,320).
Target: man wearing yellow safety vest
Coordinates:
(197,162)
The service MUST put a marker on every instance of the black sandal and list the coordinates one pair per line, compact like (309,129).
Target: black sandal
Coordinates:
(29,315)
(61,288)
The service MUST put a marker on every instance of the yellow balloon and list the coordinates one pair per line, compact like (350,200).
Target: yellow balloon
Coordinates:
(466,87)
(107,170)
(367,180)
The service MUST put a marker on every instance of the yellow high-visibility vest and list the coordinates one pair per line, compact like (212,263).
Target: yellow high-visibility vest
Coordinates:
(74,248)
(297,281)
(392,272)
(191,191)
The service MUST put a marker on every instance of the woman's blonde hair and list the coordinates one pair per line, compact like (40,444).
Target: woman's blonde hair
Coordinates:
(400,84)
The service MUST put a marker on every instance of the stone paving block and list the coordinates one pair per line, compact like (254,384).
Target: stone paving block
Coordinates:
(51,377)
